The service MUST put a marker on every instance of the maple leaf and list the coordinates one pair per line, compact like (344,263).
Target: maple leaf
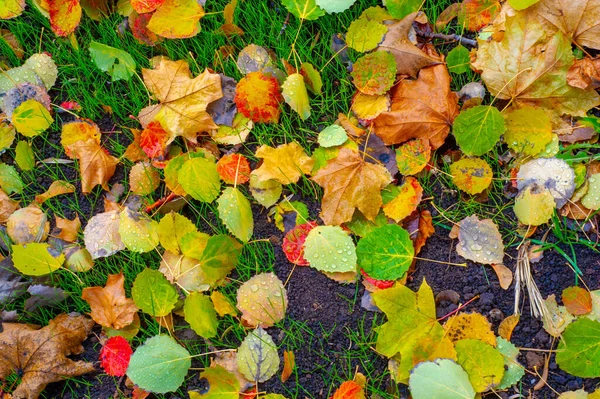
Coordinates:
(421,108)
(153,140)
(351,183)
(183,99)
(110,307)
(578,20)
(115,355)
(258,97)
(286,163)
(96,166)
(40,356)
(529,66)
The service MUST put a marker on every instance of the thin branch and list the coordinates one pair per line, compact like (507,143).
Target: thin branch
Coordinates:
(455,38)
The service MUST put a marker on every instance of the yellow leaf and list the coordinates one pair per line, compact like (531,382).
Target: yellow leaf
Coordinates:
(57,187)
(64,16)
(506,327)
(31,118)
(295,94)
(528,130)
(143,178)
(472,175)
(367,106)
(177,19)
(286,163)
(406,201)
(470,326)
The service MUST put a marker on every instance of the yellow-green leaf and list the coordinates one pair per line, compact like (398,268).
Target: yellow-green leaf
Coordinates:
(31,118)
(236,214)
(528,130)
(24,156)
(472,175)
(295,95)
(35,259)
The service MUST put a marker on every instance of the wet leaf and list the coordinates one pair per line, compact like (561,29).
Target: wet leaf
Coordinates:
(413,156)
(591,199)
(386,253)
(187,13)
(472,326)
(143,178)
(28,224)
(534,205)
(330,249)
(200,313)
(119,64)
(138,232)
(577,300)
(554,174)
(35,259)
(221,384)
(472,175)
(257,356)
(293,243)
(267,192)
(262,300)
(514,371)
(559,318)
(253,58)
(304,9)
(441,378)
(258,97)
(31,118)
(369,107)
(153,140)
(110,307)
(41,355)
(478,129)
(289,363)
(528,130)
(234,169)
(101,235)
(64,16)
(579,350)
(476,14)
(115,356)
(364,34)
(285,163)
(374,73)
(200,179)
(482,362)
(159,365)
(312,77)
(153,294)
(331,136)
(10,180)
(171,230)
(480,241)
(404,199)
(8,206)
(295,95)
(236,214)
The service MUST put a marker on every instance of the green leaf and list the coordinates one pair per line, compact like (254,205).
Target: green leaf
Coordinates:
(303,9)
(266,193)
(31,118)
(10,180)
(386,253)
(514,371)
(200,179)
(24,156)
(440,379)
(200,313)
(458,60)
(7,135)
(35,259)
(171,229)
(119,64)
(257,357)
(295,95)
(374,73)
(534,205)
(153,293)
(138,232)
(478,129)
(331,6)
(401,8)
(591,199)
(312,77)
(159,365)
(236,214)
(221,384)
(219,258)
(332,135)
(482,362)
(286,212)
(364,34)
(330,249)
(578,352)
(521,4)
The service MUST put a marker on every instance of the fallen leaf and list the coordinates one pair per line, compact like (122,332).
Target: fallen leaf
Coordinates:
(43,296)
(365,34)
(285,163)
(153,293)
(584,74)
(293,243)
(295,95)
(480,241)
(421,108)
(534,205)
(386,253)
(222,304)
(12,9)
(475,14)
(153,140)
(257,356)
(472,175)
(58,187)
(505,275)
(577,300)
(369,107)
(554,174)
(222,384)
(36,259)
(578,348)
(96,166)
(478,129)
(579,21)
(138,231)
(289,363)
(413,156)
(304,9)
(101,235)
(119,64)
(187,13)
(234,169)
(404,199)
(262,300)
(143,178)
(201,315)
(115,355)
(438,379)
(469,326)
(138,23)
(236,214)
(183,99)
(558,317)
(31,118)
(228,360)
(64,16)
(110,307)
(8,206)
(351,183)
(258,97)
(374,73)
(40,356)
(349,390)
(330,249)
(29,224)
(507,326)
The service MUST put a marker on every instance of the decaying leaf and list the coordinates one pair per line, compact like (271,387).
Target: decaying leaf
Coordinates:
(101,235)
(558,317)
(534,205)
(293,243)
(554,174)
(472,175)
(577,300)
(413,156)
(29,224)
(404,199)
(257,356)
(480,241)
(470,326)
(110,307)
(258,97)
(222,384)
(349,390)
(374,74)
(507,326)
(285,163)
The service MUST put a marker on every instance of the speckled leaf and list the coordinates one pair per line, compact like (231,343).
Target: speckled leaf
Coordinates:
(295,95)
(514,371)
(469,326)
(24,156)
(404,201)
(35,259)
(374,73)
(554,174)
(153,293)
(480,241)
(257,356)
(441,379)
(528,130)
(482,362)
(262,300)
(478,129)
(253,58)
(101,235)
(200,179)
(331,136)
(258,97)
(138,232)
(579,350)
(364,34)
(31,118)
(187,13)
(236,214)
(475,14)
(159,365)
(221,384)
(386,253)
(534,205)
(472,175)
(413,156)
(304,9)
(330,249)
(200,313)
(143,178)
(559,318)
(591,199)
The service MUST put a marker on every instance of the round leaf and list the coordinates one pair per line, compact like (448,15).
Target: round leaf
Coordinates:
(159,365)
(331,6)
(472,175)
(31,118)
(236,214)
(304,9)
(200,179)
(257,357)
(440,379)
(332,135)
(514,371)
(386,253)
(138,232)
(374,73)
(266,192)
(153,293)
(528,130)
(10,180)
(221,384)
(364,34)
(35,259)
(534,205)
(478,129)
(579,350)
(200,313)
(482,362)
(458,59)
(262,300)
(412,157)
(330,249)
(591,199)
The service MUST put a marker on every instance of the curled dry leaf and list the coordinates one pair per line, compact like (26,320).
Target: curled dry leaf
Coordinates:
(558,317)
(67,230)
(262,300)
(505,275)
(57,187)
(289,363)
(480,241)
(110,307)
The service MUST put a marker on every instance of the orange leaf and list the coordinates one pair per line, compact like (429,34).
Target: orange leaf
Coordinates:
(64,16)
(234,169)
(577,300)
(505,275)
(138,23)
(96,165)
(68,229)
(57,187)
(506,327)
(110,307)
(475,14)
(258,97)
(406,201)
(153,140)
(420,227)
(349,390)
(289,362)
(143,6)
(134,151)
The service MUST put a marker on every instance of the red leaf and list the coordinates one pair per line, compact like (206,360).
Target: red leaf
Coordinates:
(293,243)
(258,97)
(234,169)
(115,355)
(153,140)
(349,390)
(381,284)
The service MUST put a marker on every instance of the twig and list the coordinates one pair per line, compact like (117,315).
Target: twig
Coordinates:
(453,37)
(459,308)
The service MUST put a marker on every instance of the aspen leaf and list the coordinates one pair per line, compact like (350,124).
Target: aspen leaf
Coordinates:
(267,192)
(64,16)
(236,214)
(153,294)
(478,129)
(285,163)
(221,384)
(331,136)
(101,235)
(138,232)
(293,243)
(200,179)
(476,14)
(374,73)
(330,249)
(234,169)
(577,300)
(115,355)
(405,201)
(554,174)
(472,175)
(506,327)
(559,318)
(146,6)
(11,9)
(35,259)
(119,64)
(349,390)
(237,133)
(262,300)
(29,224)
(171,230)
(143,178)
(482,362)
(8,206)
(591,199)
(187,13)
(413,156)
(386,253)
(505,275)
(31,118)
(458,59)
(10,181)
(295,95)
(534,205)
(222,305)
(472,326)
(219,258)
(304,9)
(369,107)
(110,307)
(334,6)
(258,97)
(364,34)
(200,313)
(253,58)
(579,350)
(441,378)
(513,370)
(480,241)
(528,130)
(312,77)
(257,356)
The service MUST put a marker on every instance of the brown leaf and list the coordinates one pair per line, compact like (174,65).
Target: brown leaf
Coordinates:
(183,99)
(28,224)
(421,108)
(67,229)
(96,166)
(585,73)
(447,15)
(505,275)
(134,151)
(289,362)
(420,227)
(7,206)
(578,20)
(506,327)
(577,300)
(409,58)
(57,187)
(110,307)
(40,356)
(351,183)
